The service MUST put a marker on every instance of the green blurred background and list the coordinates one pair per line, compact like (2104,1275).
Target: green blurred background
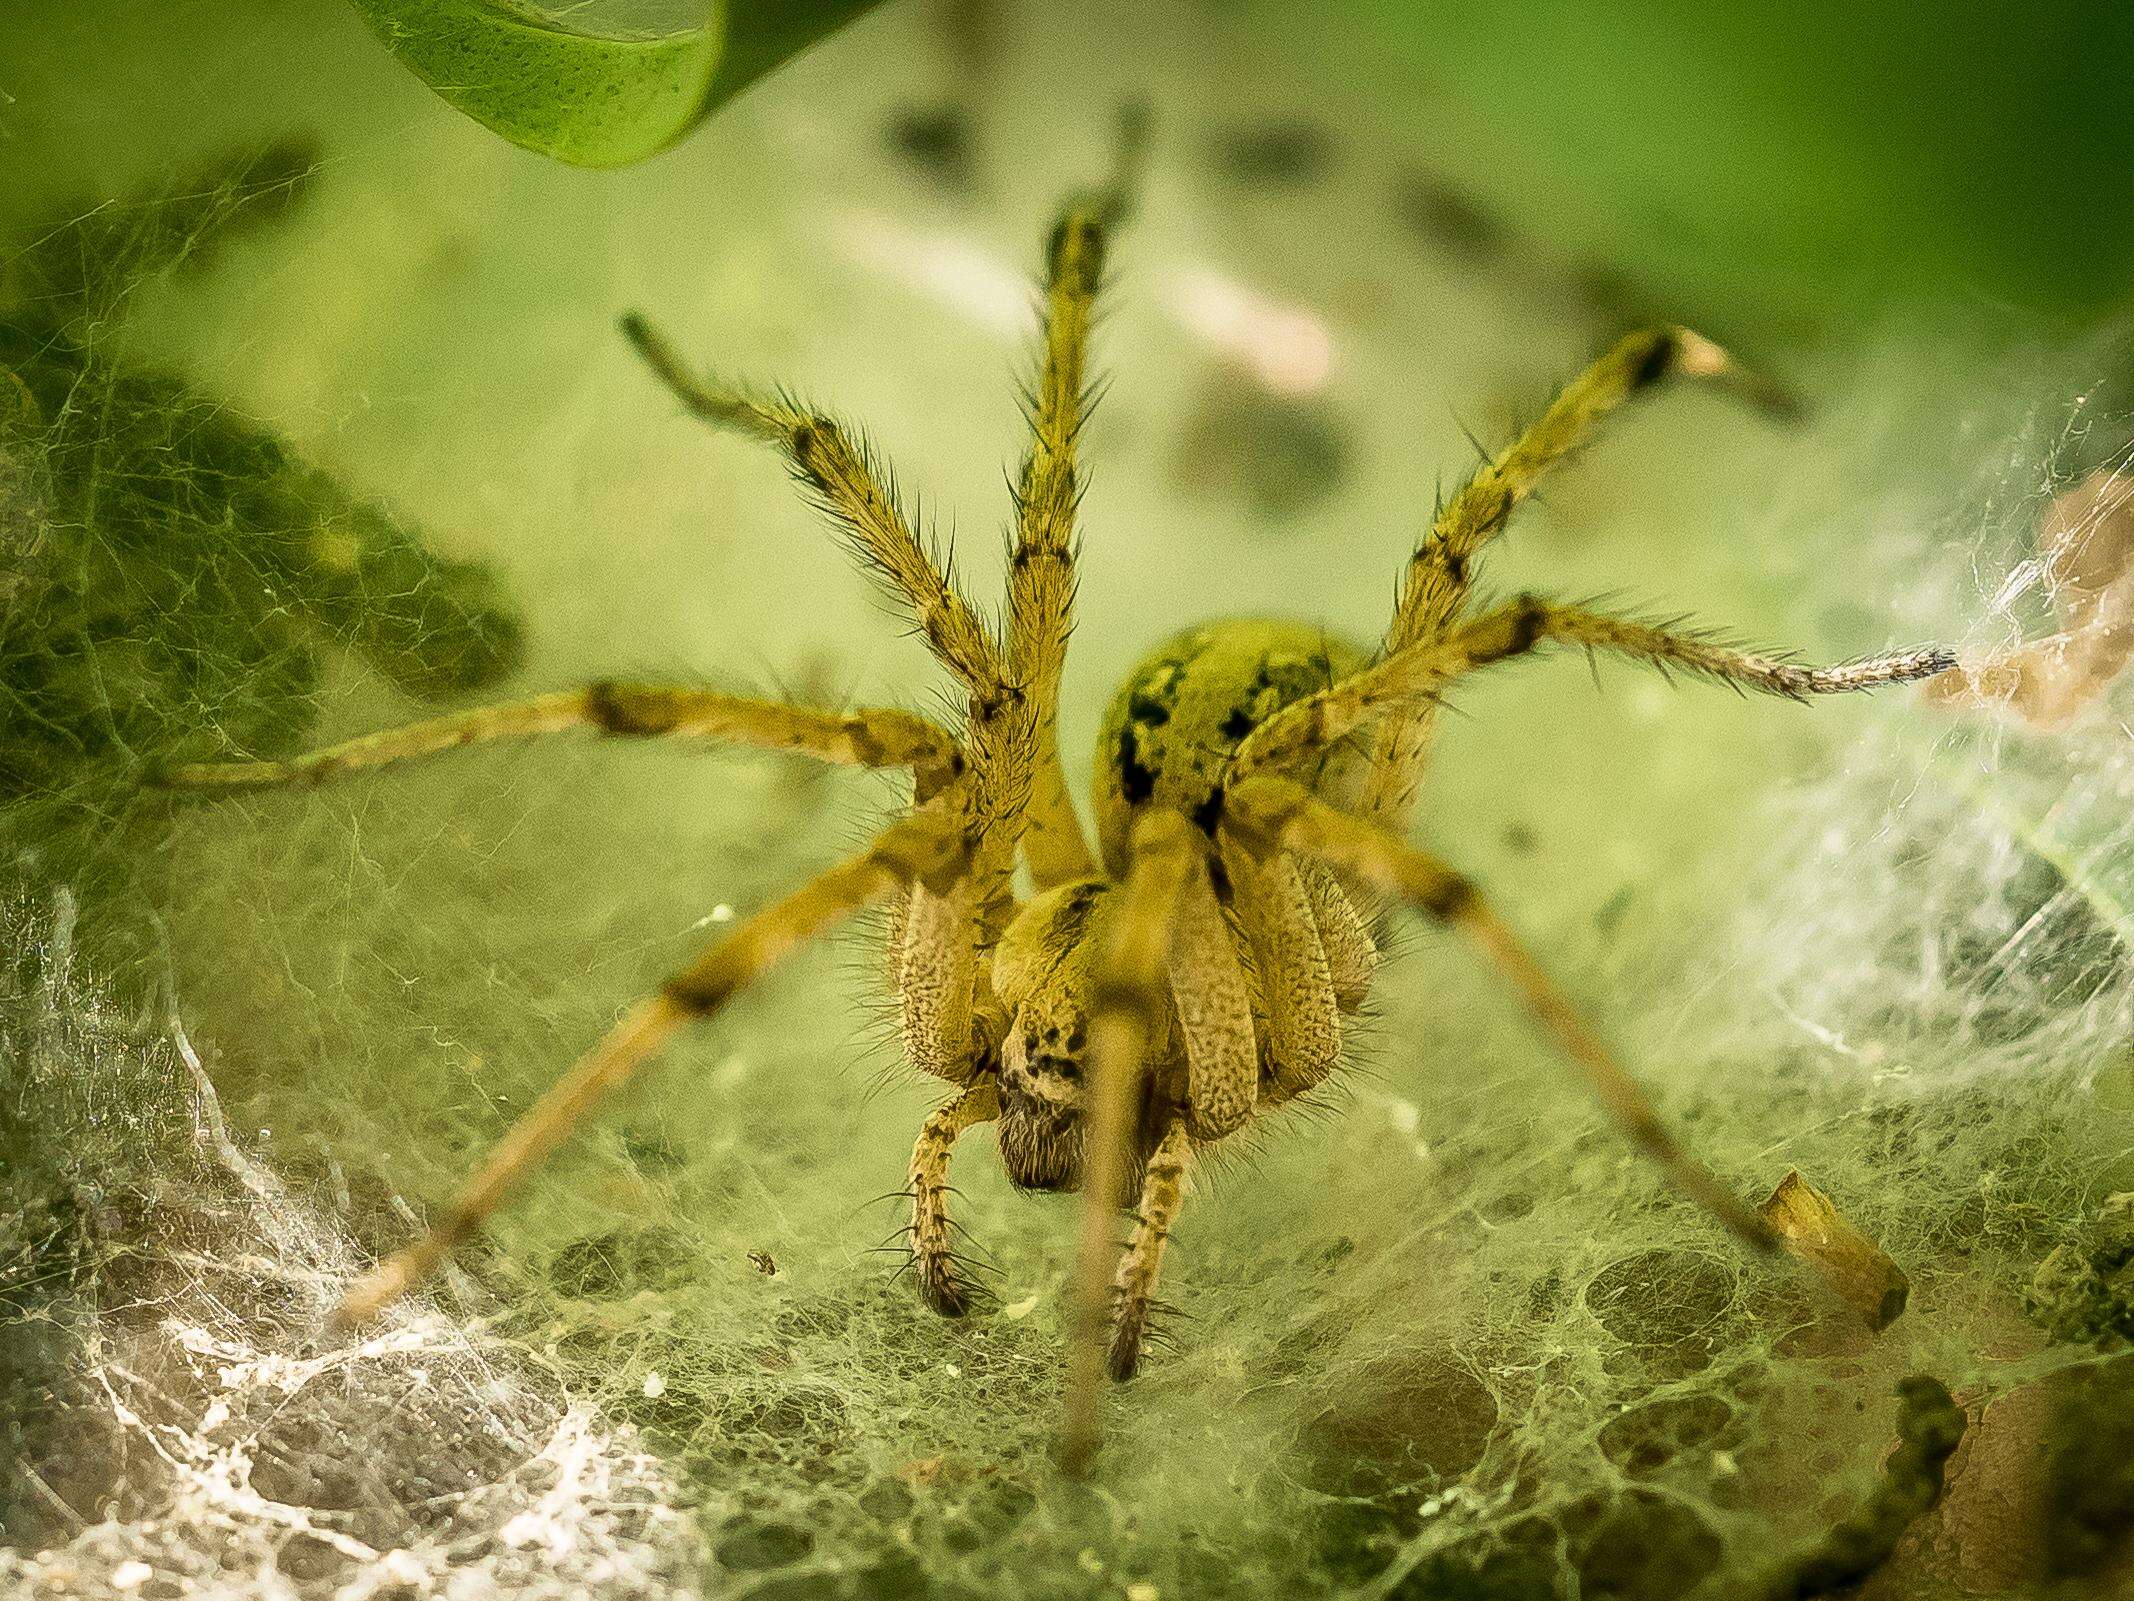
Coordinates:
(1819,158)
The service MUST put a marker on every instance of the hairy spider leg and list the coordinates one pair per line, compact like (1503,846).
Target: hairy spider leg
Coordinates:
(941,1278)
(870,737)
(1440,574)
(1285,815)
(1041,557)
(927,846)
(836,465)
(1124,1023)
(847,482)
(1163,1186)
(1416,674)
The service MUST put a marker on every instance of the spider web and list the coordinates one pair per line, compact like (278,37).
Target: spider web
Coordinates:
(160,1314)
(168,1410)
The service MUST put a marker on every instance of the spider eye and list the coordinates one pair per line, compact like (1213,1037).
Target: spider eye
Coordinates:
(1044,1062)
(1047,1061)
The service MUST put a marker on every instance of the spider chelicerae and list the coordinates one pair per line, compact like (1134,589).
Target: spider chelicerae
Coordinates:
(1193,972)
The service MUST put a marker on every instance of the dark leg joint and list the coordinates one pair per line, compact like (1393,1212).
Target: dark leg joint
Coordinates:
(1655,362)
(1499,507)
(1646,1132)
(988,705)
(865,746)
(1450,898)
(811,442)
(1527,618)
(1123,1357)
(1074,255)
(699,997)
(629,713)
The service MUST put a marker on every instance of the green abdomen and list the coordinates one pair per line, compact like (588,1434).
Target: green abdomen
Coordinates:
(1170,731)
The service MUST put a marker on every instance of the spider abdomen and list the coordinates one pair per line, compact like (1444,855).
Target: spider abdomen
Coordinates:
(1170,731)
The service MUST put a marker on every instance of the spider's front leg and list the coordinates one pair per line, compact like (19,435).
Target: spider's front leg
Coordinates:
(1214,1008)
(1167,853)
(1277,813)
(1133,1290)
(925,847)
(942,1282)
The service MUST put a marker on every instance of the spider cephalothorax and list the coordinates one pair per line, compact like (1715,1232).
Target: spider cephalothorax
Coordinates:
(1156,996)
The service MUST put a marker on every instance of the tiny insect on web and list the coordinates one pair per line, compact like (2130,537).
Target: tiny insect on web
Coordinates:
(1193,971)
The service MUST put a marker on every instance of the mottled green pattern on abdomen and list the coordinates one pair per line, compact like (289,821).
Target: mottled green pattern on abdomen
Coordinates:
(1170,731)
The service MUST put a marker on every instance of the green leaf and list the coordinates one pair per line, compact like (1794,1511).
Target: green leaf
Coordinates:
(595,99)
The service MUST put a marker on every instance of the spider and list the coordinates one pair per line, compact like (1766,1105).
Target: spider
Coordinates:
(1193,971)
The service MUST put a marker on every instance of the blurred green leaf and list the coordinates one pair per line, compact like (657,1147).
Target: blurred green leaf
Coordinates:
(588,98)
(1811,157)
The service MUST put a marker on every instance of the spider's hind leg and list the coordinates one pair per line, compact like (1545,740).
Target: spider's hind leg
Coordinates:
(877,737)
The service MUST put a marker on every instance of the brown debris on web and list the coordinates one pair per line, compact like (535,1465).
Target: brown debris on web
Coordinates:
(2086,564)
(1810,1226)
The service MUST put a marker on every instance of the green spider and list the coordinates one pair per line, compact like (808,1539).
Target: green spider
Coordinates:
(1193,971)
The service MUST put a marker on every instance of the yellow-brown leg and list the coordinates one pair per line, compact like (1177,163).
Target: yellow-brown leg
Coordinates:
(1001,738)
(1041,576)
(1440,575)
(1123,1021)
(844,478)
(1309,726)
(1282,814)
(872,738)
(1162,1193)
(941,1282)
(926,847)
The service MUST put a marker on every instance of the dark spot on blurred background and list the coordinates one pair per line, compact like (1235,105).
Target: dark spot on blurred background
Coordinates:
(1275,153)
(1277,456)
(937,142)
